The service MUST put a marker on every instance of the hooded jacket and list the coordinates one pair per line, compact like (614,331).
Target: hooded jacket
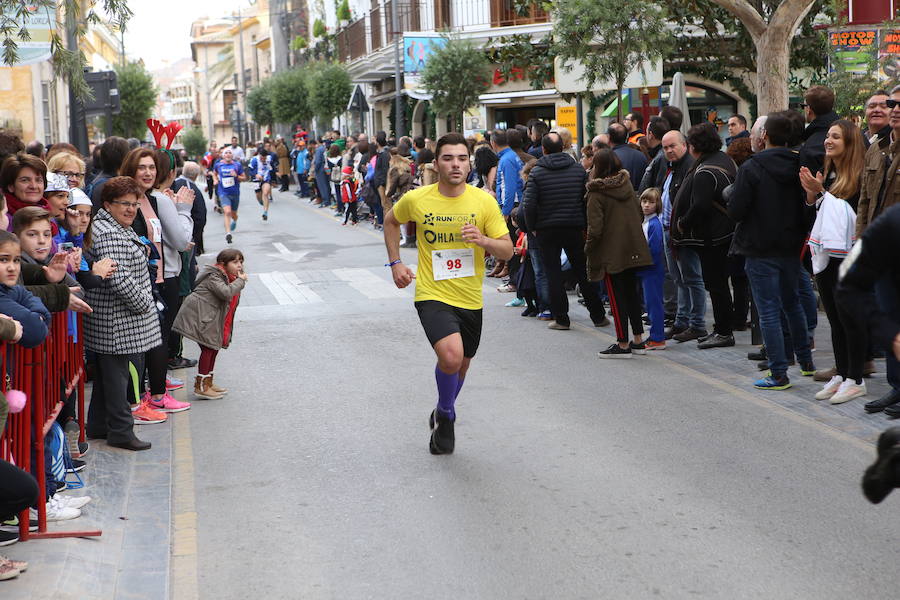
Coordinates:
(202,314)
(554,196)
(18,303)
(698,213)
(768,204)
(615,235)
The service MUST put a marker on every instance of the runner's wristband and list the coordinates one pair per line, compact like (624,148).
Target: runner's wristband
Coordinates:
(393,262)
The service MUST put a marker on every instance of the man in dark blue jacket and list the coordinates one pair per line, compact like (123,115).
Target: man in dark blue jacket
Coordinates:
(768,205)
(554,211)
(633,160)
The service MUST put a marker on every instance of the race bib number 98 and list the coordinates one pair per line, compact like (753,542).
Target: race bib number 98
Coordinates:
(453,264)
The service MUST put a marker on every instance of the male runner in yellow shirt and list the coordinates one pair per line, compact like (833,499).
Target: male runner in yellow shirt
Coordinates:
(455,224)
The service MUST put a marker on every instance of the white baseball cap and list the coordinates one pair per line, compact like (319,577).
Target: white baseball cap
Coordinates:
(78,198)
(57,183)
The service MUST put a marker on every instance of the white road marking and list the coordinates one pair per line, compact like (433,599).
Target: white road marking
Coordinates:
(286,254)
(288,289)
(369,284)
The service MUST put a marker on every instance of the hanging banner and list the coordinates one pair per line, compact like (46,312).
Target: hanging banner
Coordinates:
(416,51)
(39,26)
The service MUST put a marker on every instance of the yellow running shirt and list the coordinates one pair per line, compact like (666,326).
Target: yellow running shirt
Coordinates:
(445,271)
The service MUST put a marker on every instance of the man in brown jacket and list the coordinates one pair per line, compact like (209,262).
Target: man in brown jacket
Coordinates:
(284,163)
(881,190)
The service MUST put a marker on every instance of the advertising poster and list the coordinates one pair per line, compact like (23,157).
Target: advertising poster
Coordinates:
(416,51)
(889,54)
(854,48)
(39,25)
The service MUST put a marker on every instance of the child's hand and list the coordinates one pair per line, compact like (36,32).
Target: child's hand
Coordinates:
(243,276)
(74,257)
(104,268)
(57,268)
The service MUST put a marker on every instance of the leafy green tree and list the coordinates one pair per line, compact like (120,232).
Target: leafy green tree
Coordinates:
(726,51)
(455,75)
(319,28)
(329,88)
(194,142)
(610,38)
(343,11)
(771,26)
(68,63)
(259,103)
(137,93)
(290,96)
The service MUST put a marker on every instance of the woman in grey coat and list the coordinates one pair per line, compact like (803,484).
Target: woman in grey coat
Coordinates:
(125,320)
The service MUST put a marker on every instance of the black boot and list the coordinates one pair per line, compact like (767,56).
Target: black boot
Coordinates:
(884,474)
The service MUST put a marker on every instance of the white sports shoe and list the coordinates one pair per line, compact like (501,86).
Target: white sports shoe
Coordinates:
(57,512)
(848,391)
(72,501)
(830,388)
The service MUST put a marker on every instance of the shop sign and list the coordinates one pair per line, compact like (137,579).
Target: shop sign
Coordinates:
(38,24)
(566,116)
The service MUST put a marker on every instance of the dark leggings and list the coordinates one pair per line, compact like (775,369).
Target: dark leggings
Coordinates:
(207,363)
(625,303)
(18,490)
(350,212)
(848,339)
(157,359)
(714,264)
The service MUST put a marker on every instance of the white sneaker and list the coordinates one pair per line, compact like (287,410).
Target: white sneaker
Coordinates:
(848,391)
(57,512)
(72,501)
(830,388)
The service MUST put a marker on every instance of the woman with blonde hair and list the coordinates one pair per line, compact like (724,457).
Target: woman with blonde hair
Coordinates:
(566,136)
(835,194)
(69,166)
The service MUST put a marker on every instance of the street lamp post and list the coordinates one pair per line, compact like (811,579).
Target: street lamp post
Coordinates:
(399,111)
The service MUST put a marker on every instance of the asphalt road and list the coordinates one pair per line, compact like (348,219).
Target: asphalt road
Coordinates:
(572,477)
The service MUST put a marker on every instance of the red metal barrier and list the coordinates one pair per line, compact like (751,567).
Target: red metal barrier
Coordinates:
(41,373)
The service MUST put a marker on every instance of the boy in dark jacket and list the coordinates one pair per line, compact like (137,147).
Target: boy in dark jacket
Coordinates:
(772,218)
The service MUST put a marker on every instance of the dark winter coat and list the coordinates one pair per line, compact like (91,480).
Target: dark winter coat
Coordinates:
(880,186)
(633,161)
(18,303)
(615,236)
(655,175)
(554,196)
(699,217)
(812,153)
(203,312)
(769,206)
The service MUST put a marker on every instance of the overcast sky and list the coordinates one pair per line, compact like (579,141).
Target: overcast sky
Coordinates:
(160,30)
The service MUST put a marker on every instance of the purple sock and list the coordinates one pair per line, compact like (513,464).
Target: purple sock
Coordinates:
(448,386)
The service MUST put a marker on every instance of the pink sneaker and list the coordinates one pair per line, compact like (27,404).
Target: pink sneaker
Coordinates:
(169,404)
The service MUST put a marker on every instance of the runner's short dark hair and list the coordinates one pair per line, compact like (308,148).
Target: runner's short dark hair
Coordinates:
(449,139)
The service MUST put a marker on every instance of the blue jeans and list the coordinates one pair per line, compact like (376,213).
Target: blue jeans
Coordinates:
(775,283)
(889,303)
(688,279)
(323,184)
(540,275)
(304,185)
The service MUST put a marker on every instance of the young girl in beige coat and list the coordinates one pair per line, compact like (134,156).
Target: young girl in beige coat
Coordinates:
(207,315)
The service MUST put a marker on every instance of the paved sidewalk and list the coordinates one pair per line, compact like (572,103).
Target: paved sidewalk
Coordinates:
(131,499)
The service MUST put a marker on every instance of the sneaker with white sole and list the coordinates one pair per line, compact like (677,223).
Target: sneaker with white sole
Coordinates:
(615,351)
(73,432)
(56,511)
(848,391)
(515,303)
(830,388)
(72,501)
(168,404)
(144,415)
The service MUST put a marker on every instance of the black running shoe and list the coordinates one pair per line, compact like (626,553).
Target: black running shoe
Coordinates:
(615,351)
(228,238)
(77,465)
(443,438)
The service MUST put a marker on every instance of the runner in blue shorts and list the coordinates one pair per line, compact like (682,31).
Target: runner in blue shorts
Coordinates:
(228,176)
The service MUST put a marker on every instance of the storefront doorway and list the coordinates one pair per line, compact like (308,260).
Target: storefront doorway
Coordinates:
(507,117)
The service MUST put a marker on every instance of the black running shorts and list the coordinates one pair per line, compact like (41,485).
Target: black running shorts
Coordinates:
(440,320)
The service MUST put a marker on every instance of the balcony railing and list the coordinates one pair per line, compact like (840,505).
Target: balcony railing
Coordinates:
(377,28)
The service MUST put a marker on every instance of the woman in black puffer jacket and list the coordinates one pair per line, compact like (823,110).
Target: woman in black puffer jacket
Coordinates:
(699,220)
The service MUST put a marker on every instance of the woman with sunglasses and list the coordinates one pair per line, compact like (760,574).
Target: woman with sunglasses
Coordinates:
(69,166)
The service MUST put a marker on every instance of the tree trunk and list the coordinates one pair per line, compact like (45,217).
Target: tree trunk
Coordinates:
(772,71)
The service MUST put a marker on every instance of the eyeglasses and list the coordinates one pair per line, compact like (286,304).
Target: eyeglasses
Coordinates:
(127,204)
(891,103)
(70,174)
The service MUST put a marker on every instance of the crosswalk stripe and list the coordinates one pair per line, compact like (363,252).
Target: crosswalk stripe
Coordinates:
(287,288)
(370,285)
